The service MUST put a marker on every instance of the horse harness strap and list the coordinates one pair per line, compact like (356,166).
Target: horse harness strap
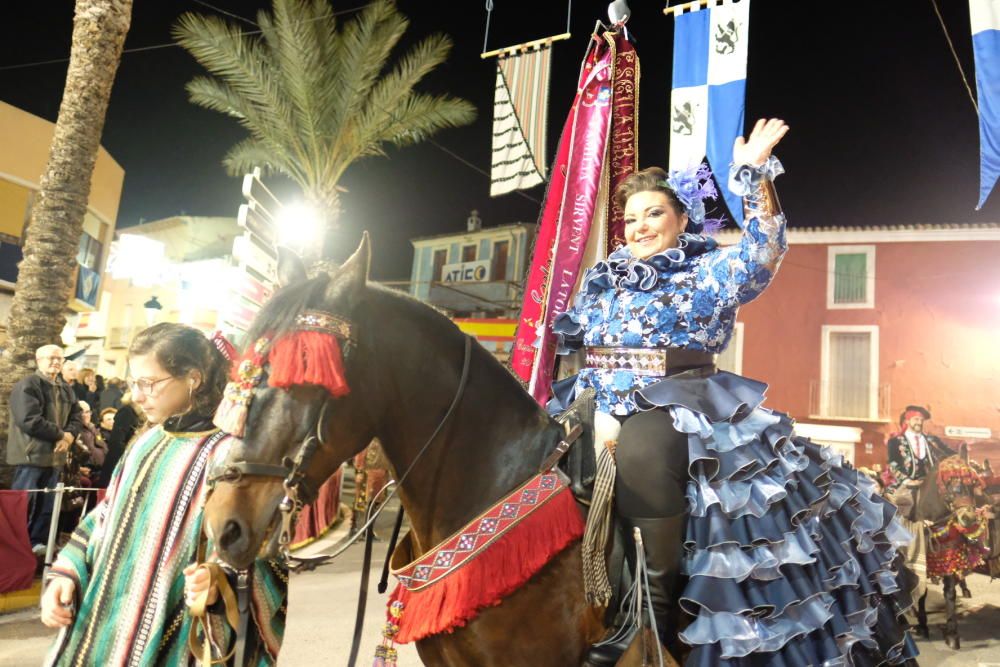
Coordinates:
(553,459)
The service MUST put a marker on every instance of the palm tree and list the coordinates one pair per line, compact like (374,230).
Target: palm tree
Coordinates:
(316,96)
(45,276)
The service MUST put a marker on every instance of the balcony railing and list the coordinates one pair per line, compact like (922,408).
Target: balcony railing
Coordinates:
(849,400)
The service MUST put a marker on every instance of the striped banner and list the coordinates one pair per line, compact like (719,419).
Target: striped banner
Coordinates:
(520,110)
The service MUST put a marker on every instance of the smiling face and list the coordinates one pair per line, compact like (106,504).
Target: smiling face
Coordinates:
(652,224)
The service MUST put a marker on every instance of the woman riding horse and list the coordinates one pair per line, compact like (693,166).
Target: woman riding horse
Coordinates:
(779,540)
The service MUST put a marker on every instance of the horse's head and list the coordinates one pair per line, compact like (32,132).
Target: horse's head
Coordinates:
(961,487)
(301,395)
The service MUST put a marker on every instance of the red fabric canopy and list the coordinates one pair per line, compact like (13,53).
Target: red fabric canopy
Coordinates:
(17,563)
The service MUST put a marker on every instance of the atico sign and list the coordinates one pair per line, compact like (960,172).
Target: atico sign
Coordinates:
(466,272)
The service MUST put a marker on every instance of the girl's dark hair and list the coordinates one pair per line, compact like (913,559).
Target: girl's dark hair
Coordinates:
(651,179)
(179,349)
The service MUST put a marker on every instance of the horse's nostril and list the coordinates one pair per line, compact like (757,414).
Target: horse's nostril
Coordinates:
(231,534)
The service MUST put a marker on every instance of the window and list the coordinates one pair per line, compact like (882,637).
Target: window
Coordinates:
(499,269)
(88,254)
(468,253)
(440,257)
(851,278)
(849,384)
(731,359)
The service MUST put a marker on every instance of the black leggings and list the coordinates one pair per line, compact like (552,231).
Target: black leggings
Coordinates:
(652,460)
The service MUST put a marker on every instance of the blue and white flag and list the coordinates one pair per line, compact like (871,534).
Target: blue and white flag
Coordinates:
(985,15)
(708,101)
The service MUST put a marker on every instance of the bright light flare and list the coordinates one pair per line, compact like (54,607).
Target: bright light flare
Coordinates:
(299,226)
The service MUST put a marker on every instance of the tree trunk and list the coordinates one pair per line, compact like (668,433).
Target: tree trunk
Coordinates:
(45,277)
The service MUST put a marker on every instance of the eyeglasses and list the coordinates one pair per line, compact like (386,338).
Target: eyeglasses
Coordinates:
(146,385)
(51,358)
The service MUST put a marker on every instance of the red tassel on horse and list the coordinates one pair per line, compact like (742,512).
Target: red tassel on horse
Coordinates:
(308,357)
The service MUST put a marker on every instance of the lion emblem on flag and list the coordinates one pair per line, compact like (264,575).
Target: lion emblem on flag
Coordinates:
(683,119)
(726,37)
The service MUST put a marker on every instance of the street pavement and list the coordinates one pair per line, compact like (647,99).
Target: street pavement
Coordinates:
(323,603)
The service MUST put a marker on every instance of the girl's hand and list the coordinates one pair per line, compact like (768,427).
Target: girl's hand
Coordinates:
(196,582)
(57,599)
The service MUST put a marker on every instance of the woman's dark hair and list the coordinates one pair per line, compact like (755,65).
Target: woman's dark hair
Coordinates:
(179,349)
(651,179)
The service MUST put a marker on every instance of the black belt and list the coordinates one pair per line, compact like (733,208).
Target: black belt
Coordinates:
(652,361)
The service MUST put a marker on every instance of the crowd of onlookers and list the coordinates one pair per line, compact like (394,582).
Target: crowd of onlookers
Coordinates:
(67,425)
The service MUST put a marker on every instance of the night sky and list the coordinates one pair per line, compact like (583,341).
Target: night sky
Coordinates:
(882,129)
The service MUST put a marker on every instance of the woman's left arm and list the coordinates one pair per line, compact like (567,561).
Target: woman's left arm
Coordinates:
(752,263)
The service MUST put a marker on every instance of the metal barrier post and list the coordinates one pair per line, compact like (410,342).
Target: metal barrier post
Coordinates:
(53,528)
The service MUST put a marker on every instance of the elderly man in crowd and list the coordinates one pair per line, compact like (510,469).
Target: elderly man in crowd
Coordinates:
(44,419)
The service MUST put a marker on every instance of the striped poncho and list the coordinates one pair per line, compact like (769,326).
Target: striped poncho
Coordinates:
(128,556)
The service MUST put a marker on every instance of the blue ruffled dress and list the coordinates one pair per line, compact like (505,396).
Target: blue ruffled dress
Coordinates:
(790,553)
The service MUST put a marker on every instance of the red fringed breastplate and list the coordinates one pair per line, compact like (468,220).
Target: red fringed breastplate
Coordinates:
(492,556)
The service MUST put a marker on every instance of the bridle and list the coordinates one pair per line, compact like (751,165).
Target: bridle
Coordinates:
(298,492)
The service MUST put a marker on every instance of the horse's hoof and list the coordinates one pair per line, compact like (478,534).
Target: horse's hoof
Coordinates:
(924,631)
(966,593)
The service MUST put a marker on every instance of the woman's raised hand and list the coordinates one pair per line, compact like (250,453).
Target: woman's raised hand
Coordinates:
(757,149)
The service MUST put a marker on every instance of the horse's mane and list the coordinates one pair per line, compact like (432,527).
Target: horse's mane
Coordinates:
(390,307)
(278,315)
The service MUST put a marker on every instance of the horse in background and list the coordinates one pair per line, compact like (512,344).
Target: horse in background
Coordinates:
(952,504)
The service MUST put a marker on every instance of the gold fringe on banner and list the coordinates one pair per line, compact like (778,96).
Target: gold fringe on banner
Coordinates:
(690,6)
(511,50)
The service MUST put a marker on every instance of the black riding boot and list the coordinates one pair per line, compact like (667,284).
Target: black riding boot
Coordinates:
(663,542)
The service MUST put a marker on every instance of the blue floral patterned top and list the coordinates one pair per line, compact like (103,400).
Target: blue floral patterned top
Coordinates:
(684,297)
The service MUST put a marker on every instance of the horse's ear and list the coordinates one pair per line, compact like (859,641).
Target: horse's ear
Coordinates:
(353,273)
(964,451)
(291,270)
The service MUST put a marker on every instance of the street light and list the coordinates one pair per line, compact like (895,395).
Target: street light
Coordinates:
(152,308)
(300,226)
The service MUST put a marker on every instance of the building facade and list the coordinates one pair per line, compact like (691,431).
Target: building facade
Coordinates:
(26,140)
(182,261)
(476,277)
(860,322)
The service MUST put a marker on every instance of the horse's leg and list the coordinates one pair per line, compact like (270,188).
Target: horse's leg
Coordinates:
(966,593)
(922,628)
(951,612)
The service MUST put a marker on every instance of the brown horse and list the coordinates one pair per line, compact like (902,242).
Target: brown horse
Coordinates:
(404,371)
(950,499)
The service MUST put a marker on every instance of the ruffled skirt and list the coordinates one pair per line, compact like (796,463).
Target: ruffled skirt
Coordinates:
(790,553)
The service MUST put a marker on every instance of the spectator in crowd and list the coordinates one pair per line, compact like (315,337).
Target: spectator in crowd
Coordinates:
(127,421)
(70,375)
(90,437)
(44,420)
(88,380)
(107,423)
(111,397)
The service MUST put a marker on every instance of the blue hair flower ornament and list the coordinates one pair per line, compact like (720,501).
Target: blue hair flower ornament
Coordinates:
(692,186)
